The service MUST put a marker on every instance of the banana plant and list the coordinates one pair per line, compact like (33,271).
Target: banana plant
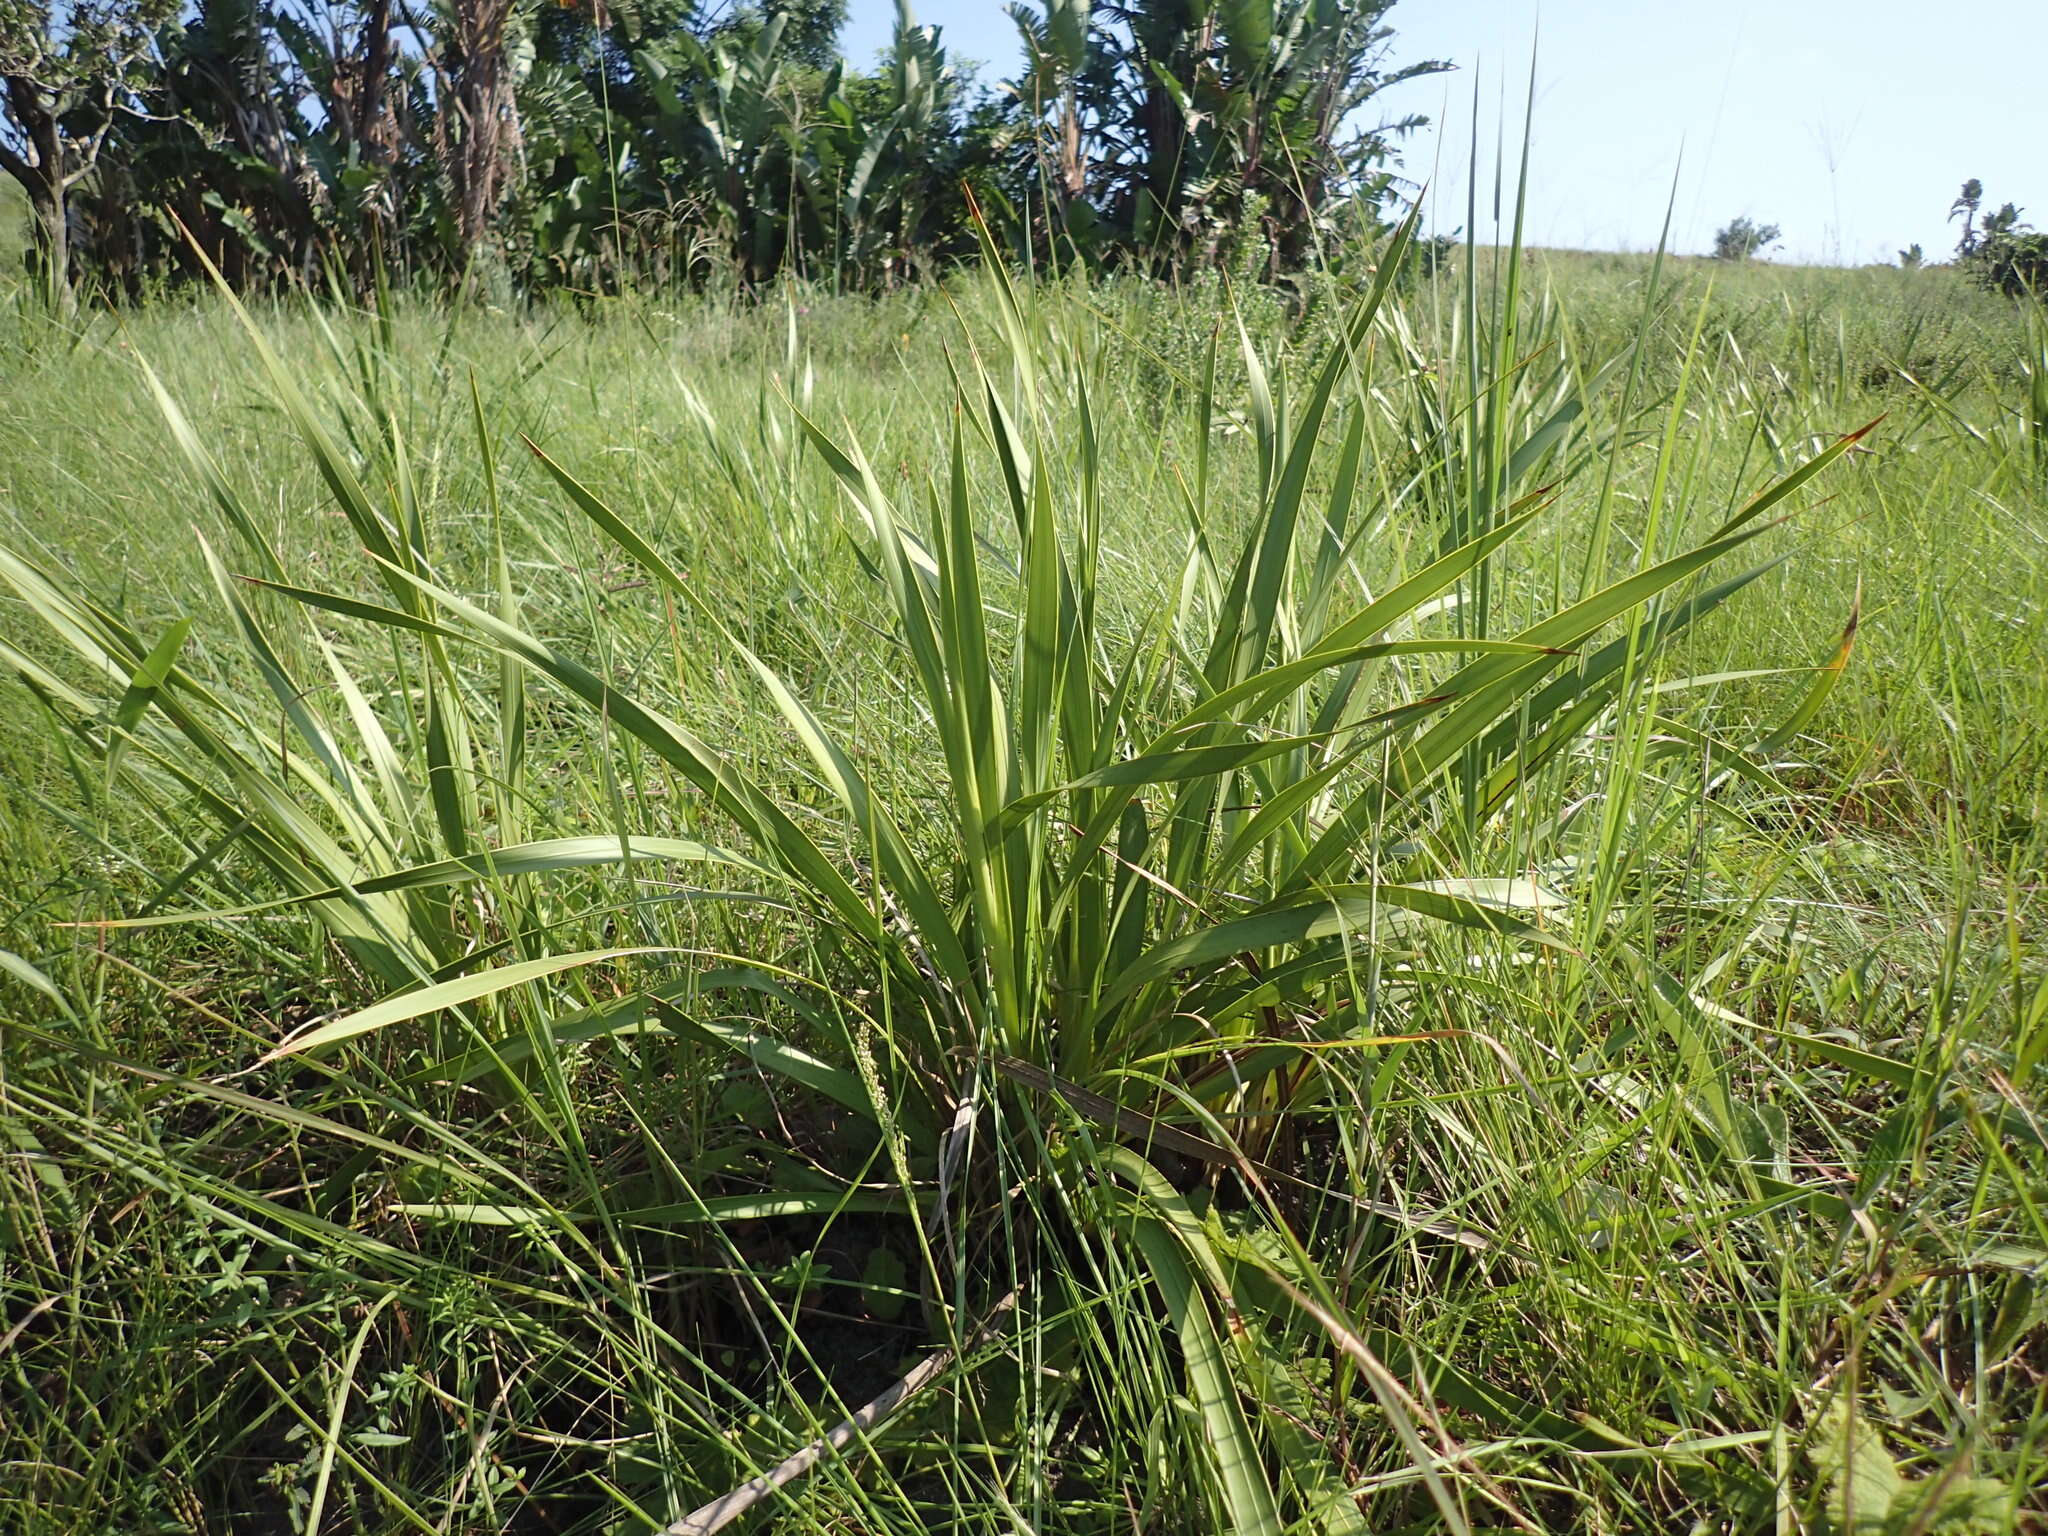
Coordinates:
(742,109)
(876,162)
(1229,111)
(1059,50)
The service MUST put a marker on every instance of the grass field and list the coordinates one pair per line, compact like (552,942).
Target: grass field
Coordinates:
(1382,919)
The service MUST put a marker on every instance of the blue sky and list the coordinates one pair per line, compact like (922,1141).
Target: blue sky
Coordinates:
(1850,125)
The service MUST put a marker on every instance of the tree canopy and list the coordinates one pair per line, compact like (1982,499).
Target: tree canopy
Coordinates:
(588,143)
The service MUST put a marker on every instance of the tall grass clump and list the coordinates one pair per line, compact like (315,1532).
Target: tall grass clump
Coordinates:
(1274,961)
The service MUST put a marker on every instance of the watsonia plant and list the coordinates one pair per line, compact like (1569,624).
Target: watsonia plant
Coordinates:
(1180,857)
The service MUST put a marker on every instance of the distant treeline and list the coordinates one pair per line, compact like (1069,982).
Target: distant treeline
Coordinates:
(525,144)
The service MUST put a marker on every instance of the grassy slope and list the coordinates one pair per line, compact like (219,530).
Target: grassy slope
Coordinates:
(199,1339)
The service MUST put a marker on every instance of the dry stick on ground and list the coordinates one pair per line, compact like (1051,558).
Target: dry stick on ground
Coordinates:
(721,1512)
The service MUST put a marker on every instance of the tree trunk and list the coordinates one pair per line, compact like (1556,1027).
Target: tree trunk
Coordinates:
(1073,172)
(376,65)
(1163,131)
(478,136)
(53,246)
(43,180)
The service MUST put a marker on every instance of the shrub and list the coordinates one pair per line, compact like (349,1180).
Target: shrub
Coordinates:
(1743,238)
(2003,252)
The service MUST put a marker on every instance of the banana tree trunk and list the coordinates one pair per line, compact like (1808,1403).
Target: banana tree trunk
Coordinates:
(478,139)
